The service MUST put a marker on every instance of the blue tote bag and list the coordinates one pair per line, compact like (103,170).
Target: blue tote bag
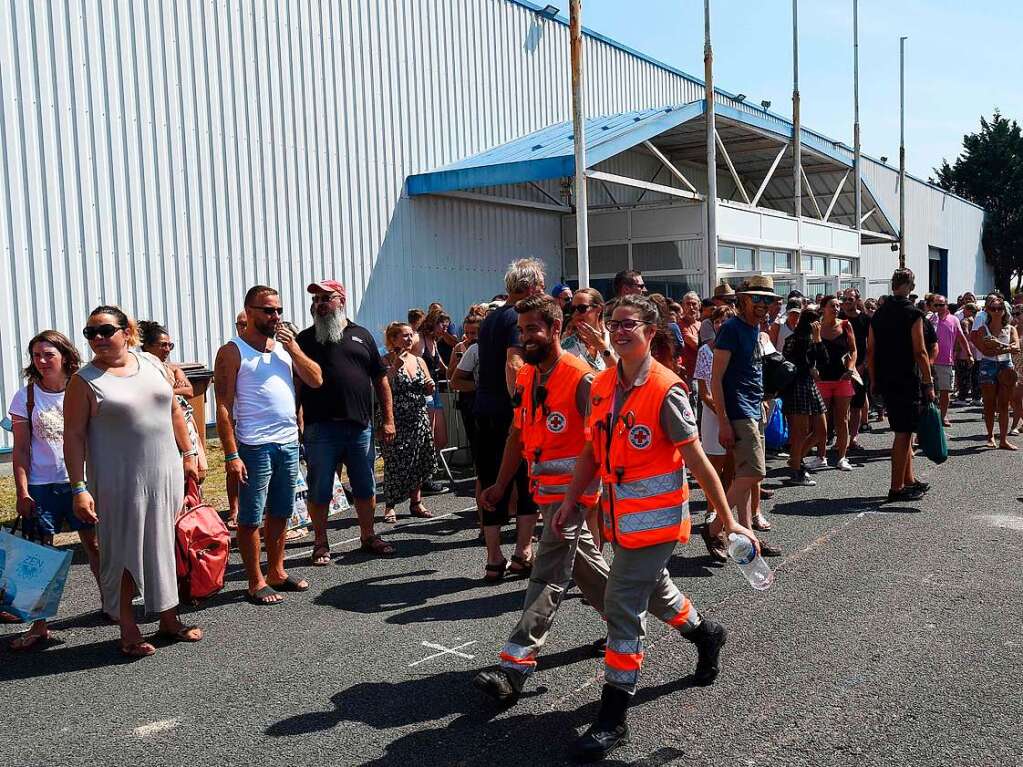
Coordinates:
(776,435)
(32,577)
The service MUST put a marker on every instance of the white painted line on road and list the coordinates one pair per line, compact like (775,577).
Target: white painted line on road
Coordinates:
(155,728)
(444,651)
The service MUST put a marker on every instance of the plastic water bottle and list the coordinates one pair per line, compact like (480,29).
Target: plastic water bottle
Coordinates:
(753,566)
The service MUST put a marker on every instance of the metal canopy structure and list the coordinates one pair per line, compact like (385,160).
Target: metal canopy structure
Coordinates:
(754,151)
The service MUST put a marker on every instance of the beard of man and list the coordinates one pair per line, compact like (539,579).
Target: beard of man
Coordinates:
(537,354)
(329,328)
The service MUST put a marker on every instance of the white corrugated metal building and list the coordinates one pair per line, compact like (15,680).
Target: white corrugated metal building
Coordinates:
(166,155)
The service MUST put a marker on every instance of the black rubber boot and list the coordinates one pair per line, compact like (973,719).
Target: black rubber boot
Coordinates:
(609,731)
(502,684)
(709,638)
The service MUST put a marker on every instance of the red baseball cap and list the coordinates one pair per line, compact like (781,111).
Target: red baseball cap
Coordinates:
(327,286)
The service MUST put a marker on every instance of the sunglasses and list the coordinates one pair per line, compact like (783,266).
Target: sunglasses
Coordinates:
(629,325)
(939,305)
(270,310)
(326,298)
(996,308)
(103,331)
(758,299)
(166,345)
(581,308)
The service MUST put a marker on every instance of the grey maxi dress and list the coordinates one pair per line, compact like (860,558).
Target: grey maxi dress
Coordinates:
(136,477)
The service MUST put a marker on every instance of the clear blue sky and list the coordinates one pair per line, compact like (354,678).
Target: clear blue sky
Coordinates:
(963,58)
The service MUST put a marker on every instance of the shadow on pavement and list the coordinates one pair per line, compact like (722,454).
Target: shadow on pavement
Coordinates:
(413,593)
(826,507)
(478,735)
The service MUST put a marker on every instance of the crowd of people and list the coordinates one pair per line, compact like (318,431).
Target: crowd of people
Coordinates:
(585,410)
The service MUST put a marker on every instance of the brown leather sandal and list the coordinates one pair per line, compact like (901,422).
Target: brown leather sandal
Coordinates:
(494,573)
(525,566)
(418,510)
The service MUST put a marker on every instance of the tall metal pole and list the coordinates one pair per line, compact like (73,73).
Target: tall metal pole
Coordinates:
(582,236)
(902,152)
(797,148)
(712,160)
(856,126)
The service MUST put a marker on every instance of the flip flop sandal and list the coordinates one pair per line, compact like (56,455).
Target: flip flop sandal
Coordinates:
(376,545)
(418,510)
(259,598)
(494,573)
(290,584)
(296,535)
(321,555)
(183,634)
(139,649)
(390,517)
(525,566)
(29,642)
(232,524)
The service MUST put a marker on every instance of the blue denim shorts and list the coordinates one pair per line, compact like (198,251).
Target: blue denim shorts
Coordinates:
(989,370)
(435,402)
(53,509)
(272,473)
(328,445)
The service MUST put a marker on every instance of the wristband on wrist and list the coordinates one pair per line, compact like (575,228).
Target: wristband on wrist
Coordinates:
(190,454)
(78,488)
(231,457)
(76,485)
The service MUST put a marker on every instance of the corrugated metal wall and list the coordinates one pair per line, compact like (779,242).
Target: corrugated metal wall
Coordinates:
(166,155)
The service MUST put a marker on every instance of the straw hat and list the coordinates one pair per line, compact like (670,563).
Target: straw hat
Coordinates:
(758,285)
(724,290)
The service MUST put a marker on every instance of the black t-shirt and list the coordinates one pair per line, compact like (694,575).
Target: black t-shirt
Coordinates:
(894,364)
(861,329)
(350,368)
(498,333)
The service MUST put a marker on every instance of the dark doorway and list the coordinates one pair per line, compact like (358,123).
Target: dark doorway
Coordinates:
(937,277)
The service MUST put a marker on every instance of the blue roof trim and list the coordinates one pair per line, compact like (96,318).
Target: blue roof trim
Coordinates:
(550,152)
(559,19)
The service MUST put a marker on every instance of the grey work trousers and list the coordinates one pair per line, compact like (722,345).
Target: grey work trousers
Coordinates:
(576,556)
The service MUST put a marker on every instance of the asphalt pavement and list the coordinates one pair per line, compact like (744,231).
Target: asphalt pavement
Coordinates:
(892,636)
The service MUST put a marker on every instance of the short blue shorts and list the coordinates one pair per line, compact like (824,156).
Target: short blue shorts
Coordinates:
(989,370)
(272,473)
(328,445)
(435,402)
(53,509)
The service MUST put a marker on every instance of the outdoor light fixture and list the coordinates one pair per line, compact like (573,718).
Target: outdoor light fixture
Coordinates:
(884,159)
(741,97)
(765,104)
(548,11)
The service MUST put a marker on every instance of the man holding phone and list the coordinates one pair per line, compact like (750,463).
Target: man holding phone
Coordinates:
(254,379)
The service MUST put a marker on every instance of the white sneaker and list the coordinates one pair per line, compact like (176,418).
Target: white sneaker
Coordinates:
(814,463)
(843,465)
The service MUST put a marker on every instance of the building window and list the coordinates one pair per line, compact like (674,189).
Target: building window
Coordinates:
(815,264)
(735,257)
(775,261)
(726,256)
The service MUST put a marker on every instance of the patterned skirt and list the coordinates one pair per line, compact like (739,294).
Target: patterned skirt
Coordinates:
(802,398)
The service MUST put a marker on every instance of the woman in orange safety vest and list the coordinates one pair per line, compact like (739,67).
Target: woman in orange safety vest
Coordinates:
(641,437)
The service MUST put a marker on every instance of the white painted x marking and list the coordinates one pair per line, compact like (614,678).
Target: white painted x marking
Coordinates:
(444,651)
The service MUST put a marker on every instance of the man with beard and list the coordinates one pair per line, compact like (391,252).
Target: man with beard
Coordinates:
(337,417)
(255,377)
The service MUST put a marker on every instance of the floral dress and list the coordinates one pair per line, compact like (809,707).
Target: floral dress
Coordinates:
(410,459)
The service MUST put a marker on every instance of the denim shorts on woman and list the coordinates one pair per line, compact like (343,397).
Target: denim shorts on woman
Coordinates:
(53,507)
(328,445)
(989,370)
(272,473)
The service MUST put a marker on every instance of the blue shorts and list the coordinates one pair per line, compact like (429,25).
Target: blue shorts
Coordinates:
(53,509)
(989,370)
(328,444)
(434,402)
(272,473)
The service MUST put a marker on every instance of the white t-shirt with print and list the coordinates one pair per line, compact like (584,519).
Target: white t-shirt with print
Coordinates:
(47,434)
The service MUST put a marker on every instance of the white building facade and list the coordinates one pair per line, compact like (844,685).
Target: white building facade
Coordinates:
(166,155)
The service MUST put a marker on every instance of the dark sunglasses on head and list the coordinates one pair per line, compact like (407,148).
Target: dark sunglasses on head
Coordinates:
(103,331)
(581,308)
(269,310)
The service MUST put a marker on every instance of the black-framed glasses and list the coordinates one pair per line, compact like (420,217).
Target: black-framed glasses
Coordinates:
(640,286)
(938,306)
(168,345)
(581,308)
(615,325)
(759,299)
(269,310)
(103,331)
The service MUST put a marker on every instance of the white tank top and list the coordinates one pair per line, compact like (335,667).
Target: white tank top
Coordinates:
(264,396)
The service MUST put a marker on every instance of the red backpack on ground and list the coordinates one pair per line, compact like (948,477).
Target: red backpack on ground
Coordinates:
(202,546)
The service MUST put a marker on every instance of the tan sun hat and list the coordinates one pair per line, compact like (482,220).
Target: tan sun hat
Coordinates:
(724,290)
(758,285)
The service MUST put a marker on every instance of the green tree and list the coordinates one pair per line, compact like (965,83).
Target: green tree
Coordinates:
(989,172)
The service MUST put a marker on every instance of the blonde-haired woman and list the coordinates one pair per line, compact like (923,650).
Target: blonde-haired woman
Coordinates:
(409,459)
(122,418)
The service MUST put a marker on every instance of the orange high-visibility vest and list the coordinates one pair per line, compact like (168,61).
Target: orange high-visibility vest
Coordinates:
(553,432)
(646,496)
